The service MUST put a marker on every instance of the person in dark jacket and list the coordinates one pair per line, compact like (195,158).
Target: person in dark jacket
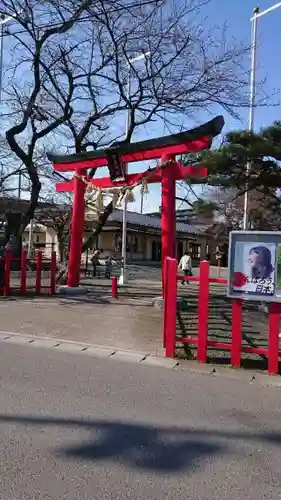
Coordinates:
(95,261)
(108,267)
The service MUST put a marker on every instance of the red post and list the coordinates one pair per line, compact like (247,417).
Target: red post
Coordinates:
(77,230)
(170,304)
(203,310)
(168,215)
(114,288)
(23,272)
(7,271)
(38,271)
(236,334)
(53,272)
(273,341)
(164,297)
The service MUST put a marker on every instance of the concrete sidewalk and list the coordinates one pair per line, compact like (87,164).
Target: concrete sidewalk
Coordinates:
(92,319)
(129,323)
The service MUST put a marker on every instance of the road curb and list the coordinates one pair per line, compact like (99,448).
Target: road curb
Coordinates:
(144,359)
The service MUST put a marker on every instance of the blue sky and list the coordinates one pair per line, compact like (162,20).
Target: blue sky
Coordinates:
(237,16)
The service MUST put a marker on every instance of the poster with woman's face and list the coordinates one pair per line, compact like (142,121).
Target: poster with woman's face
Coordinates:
(254,268)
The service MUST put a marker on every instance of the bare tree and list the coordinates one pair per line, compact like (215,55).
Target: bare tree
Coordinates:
(185,69)
(263,210)
(68,76)
(10,169)
(37,26)
(223,208)
(55,213)
(42,33)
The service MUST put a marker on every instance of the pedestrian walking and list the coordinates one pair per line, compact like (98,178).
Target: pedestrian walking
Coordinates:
(185,265)
(108,267)
(95,261)
(2,266)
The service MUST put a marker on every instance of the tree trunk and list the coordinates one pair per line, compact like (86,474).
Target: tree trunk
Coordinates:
(98,227)
(62,273)
(61,250)
(13,238)
(33,203)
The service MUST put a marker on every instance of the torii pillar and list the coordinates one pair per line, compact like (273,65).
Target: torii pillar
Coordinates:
(167,173)
(168,213)
(77,229)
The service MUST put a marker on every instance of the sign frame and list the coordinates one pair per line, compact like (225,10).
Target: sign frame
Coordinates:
(239,243)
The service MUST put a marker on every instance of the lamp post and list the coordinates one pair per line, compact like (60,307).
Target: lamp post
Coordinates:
(123,279)
(256,15)
(141,203)
(30,239)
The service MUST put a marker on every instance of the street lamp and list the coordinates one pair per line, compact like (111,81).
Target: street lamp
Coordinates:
(254,20)
(123,275)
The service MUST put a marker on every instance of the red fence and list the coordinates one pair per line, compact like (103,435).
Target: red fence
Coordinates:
(38,283)
(201,341)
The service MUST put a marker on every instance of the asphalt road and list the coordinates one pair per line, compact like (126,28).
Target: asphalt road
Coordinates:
(74,427)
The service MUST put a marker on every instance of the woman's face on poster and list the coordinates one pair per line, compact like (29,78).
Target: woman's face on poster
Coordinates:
(254,259)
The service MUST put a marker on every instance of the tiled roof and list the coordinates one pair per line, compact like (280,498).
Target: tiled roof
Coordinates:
(154,222)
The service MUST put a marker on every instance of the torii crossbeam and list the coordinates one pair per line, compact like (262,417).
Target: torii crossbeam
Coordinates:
(167,172)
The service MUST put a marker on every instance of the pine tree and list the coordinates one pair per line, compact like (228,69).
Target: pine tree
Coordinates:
(227,170)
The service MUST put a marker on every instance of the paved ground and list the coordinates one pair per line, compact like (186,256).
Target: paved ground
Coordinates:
(130,322)
(255,322)
(77,428)
(87,319)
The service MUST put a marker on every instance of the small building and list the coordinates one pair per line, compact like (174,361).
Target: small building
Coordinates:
(144,237)
(143,232)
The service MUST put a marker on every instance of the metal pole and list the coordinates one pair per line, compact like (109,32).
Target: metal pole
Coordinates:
(19,186)
(252,105)
(266,11)
(253,72)
(123,275)
(30,239)
(1,57)
(141,206)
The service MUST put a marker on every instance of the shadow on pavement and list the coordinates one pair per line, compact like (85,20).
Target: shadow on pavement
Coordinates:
(165,449)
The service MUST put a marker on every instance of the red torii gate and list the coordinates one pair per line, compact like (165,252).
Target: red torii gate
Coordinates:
(167,172)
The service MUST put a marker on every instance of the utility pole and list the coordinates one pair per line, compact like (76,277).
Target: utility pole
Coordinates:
(254,20)
(141,205)
(251,107)
(123,275)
